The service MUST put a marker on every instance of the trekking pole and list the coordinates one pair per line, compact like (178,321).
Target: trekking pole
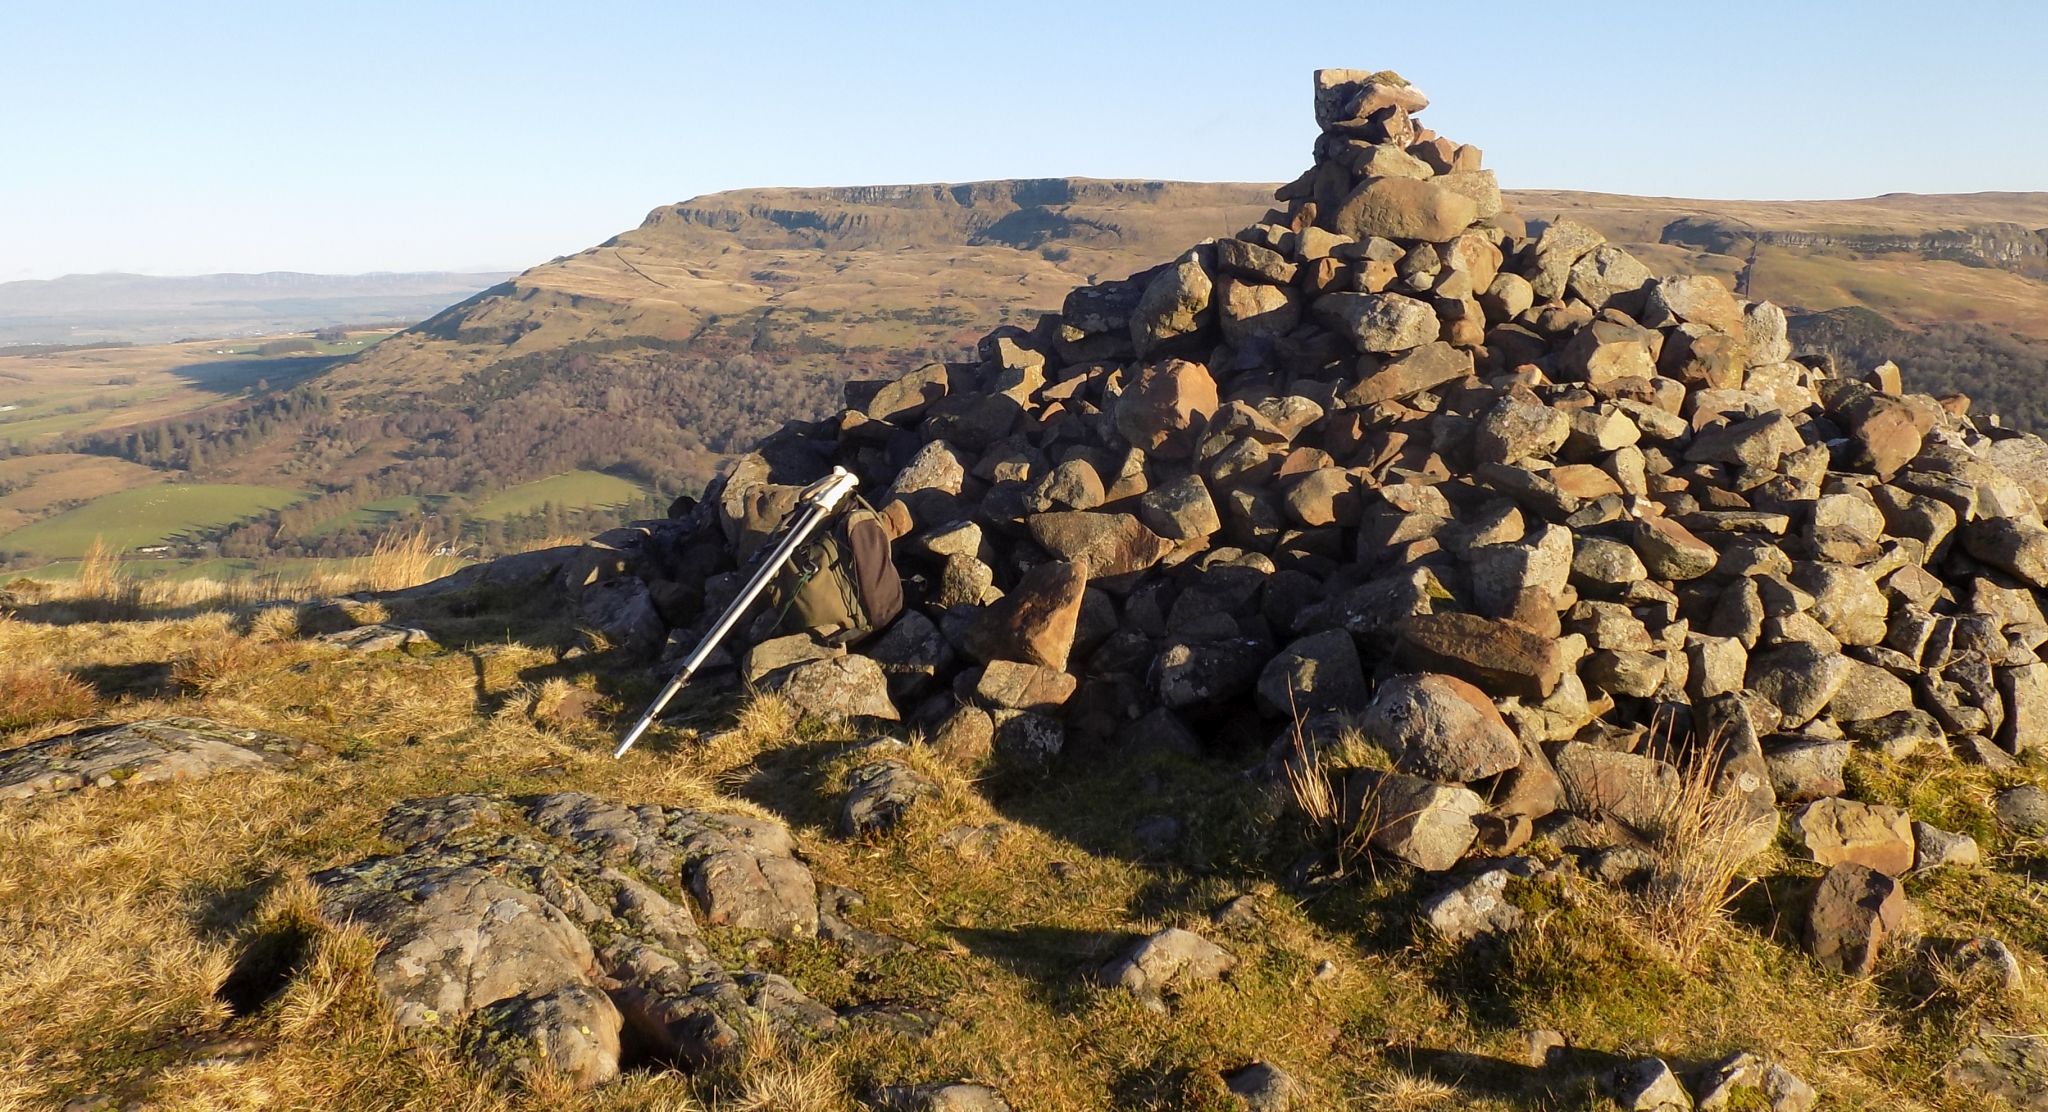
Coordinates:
(814,505)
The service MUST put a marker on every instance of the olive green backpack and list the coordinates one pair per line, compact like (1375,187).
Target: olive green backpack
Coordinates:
(842,584)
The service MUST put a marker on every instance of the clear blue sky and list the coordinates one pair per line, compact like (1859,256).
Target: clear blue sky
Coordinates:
(189,137)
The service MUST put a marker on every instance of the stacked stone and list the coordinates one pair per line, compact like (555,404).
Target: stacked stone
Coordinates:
(1546,528)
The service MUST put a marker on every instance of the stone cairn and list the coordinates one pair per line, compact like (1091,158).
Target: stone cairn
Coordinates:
(1548,530)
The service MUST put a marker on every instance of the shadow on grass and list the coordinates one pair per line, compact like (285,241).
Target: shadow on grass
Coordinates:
(1775,907)
(1059,963)
(1167,1081)
(140,680)
(266,960)
(266,965)
(1570,1079)
(233,376)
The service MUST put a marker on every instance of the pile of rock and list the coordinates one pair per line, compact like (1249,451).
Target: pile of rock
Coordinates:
(1550,531)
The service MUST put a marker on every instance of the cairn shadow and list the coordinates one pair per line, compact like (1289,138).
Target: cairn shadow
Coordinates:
(1162,1082)
(1774,907)
(789,780)
(1166,811)
(1059,963)
(1567,1082)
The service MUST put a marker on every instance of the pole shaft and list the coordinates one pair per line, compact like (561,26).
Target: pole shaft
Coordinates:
(813,514)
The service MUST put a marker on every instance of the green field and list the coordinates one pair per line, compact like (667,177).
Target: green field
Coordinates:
(384,511)
(34,427)
(572,490)
(150,515)
(356,341)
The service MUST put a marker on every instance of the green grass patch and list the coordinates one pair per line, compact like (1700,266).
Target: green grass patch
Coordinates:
(55,424)
(355,342)
(573,490)
(150,515)
(382,512)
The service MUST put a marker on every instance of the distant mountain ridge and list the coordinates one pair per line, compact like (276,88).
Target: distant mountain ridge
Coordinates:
(79,308)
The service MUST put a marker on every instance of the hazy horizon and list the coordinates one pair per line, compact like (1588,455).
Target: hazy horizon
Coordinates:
(250,138)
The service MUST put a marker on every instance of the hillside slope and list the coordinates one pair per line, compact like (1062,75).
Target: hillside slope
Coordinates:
(655,354)
(895,266)
(877,266)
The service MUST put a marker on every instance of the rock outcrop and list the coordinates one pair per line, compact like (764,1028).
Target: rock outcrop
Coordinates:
(561,927)
(145,752)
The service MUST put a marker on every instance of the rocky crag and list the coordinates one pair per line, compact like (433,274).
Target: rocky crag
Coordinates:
(1562,543)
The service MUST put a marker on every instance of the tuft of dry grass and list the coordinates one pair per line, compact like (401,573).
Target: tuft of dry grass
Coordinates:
(769,1077)
(398,560)
(1309,786)
(1699,842)
(1310,777)
(1403,1092)
(31,695)
(274,623)
(99,570)
(221,663)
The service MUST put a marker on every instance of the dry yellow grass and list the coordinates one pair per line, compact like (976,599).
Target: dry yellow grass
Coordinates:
(1701,844)
(398,560)
(31,695)
(102,591)
(99,572)
(123,913)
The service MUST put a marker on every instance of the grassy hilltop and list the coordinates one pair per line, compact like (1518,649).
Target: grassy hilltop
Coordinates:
(165,950)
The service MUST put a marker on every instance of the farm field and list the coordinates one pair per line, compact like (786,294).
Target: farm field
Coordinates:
(570,491)
(160,514)
(47,395)
(384,511)
(36,487)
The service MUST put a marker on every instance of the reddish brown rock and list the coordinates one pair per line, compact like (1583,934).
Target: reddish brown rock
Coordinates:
(1160,411)
(1403,208)
(1175,304)
(1885,428)
(1497,655)
(1255,310)
(1014,685)
(1696,299)
(1605,351)
(1349,94)
(1379,322)
(1425,368)
(1671,551)
(1035,622)
(1441,727)
(905,399)
(1631,788)
(1854,910)
(1835,831)
(1101,544)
